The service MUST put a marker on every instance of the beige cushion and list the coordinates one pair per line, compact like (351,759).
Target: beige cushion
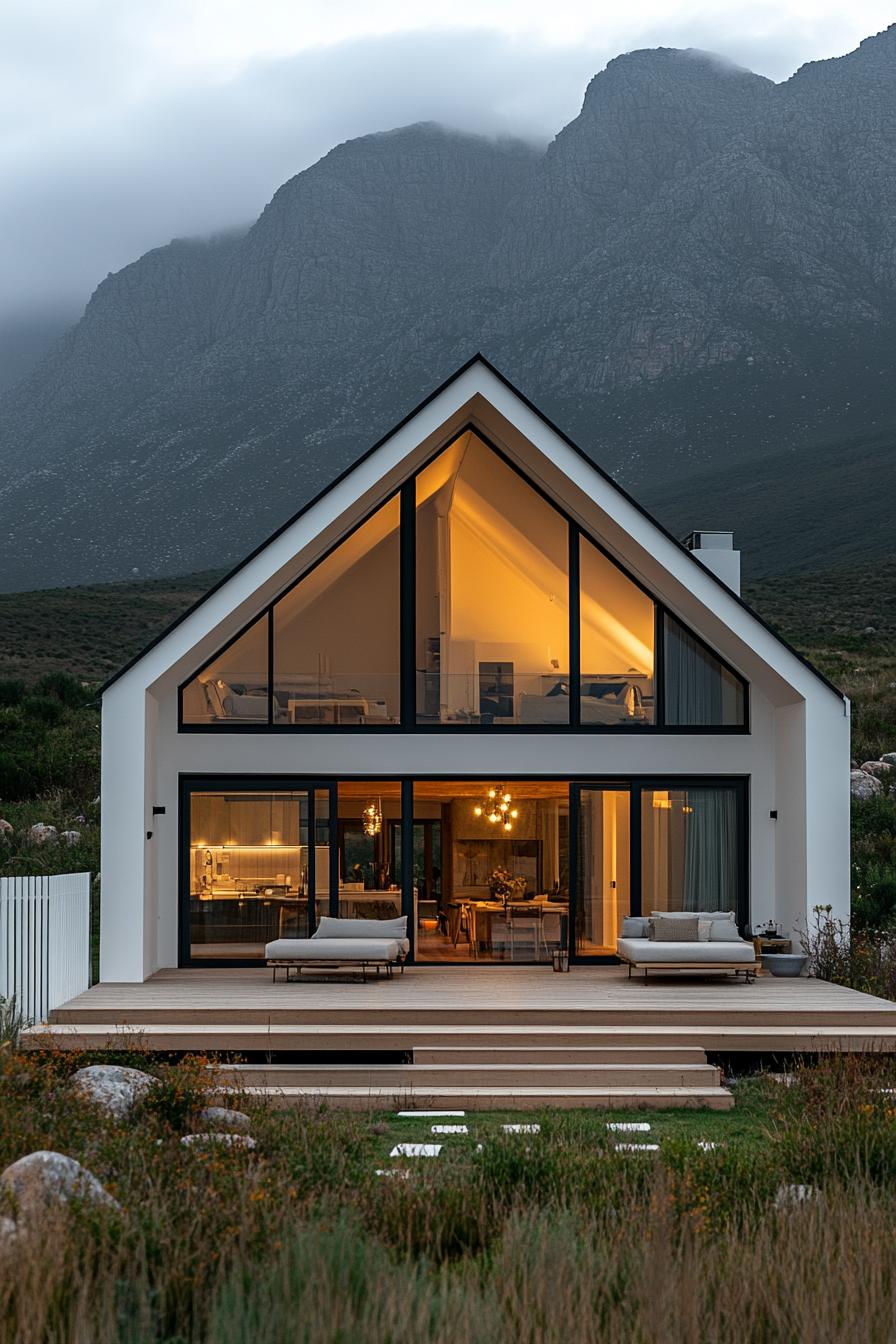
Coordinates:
(674,930)
(689,914)
(723,931)
(332,949)
(642,950)
(328,927)
(705,928)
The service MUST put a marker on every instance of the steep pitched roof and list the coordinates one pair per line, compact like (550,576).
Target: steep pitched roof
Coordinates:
(479,359)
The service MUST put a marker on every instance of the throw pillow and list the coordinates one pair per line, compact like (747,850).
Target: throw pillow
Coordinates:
(634,926)
(675,930)
(724,931)
(704,930)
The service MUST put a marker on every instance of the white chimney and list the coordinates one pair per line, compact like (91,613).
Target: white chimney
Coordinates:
(716,551)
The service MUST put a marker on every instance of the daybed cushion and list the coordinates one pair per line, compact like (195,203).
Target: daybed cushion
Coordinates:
(396,928)
(643,950)
(332,949)
(634,926)
(689,914)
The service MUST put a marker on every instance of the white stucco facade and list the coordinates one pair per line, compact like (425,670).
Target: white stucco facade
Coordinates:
(794,758)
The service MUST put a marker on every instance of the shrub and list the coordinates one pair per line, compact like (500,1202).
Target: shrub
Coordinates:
(44,709)
(62,687)
(11,692)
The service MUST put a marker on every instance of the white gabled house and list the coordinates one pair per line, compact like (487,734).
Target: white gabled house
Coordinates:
(472,667)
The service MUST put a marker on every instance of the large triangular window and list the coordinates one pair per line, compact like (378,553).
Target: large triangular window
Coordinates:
(337,633)
(492,604)
(233,687)
(700,691)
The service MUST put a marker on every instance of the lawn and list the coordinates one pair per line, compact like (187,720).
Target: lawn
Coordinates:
(532,1238)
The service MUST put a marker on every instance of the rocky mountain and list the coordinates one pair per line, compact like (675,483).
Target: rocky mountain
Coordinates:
(697,280)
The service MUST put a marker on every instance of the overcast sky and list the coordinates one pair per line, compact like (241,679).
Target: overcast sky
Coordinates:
(124,123)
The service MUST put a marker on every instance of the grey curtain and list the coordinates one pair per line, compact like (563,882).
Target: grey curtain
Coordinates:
(710,855)
(699,691)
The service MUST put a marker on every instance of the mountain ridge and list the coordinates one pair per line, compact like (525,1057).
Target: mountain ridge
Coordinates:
(698,272)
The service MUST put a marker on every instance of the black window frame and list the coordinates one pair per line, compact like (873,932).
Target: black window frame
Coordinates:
(635,784)
(408,723)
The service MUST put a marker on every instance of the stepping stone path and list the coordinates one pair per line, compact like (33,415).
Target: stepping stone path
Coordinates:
(412,1115)
(416,1150)
(521,1129)
(216,1138)
(629,1126)
(706,1145)
(401,1172)
(112,1086)
(637,1148)
(450,1129)
(223,1118)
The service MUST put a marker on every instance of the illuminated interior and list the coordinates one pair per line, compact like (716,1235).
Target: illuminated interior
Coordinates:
(492,636)
(491,625)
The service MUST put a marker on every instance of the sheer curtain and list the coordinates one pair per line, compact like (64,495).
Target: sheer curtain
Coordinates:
(710,856)
(699,691)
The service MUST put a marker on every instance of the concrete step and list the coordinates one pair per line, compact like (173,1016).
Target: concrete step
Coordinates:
(496,1098)
(270,1038)
(437,1076)
(563,1054)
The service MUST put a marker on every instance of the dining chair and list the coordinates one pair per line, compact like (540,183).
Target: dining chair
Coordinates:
(524,919)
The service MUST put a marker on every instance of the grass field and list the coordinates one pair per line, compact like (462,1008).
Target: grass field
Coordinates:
(536,1238)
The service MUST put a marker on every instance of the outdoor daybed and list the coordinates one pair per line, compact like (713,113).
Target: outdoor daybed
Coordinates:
(688,940)
(343,944)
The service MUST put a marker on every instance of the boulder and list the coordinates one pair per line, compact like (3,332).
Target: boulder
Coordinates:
(43,834)
(211,1140)
(71,837)
(888,758)
(221,1117)
(44,1179)
(112,1086)
(862,785)
(879,769)
(8,1232)
(6,829)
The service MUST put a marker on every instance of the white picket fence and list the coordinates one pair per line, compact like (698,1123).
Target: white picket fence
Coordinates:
(44,940)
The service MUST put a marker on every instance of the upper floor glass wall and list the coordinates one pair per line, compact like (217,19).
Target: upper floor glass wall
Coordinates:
(485,627)
(617,625)
(233,687)
(337,633)
(492,575)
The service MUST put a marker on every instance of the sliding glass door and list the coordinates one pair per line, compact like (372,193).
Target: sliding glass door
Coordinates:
(258,868)
(603,868)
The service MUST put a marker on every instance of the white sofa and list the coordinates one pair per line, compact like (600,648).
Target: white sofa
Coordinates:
(343,944)
(717,948)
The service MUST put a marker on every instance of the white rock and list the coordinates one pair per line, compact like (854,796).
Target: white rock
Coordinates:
(71,837)
(416,1150)
(450,1129)
(222,1117)
(403,1173)
(637,1147)
(629,1126)
(216,1138)
(789,1195)
(6,829)
(863,785)
(879,769)
(116,1088)
(521,1129)
(888,758)
(45,1178)
(42,834)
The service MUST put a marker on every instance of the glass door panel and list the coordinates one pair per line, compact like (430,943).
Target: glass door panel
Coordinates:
(248,872)
(604,869)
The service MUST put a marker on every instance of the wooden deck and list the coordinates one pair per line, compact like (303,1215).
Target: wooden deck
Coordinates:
(508,1037)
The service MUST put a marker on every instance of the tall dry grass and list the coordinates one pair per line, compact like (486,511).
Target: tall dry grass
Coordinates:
(533,1240)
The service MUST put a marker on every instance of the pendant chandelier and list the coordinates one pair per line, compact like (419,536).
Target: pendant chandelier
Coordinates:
(496,808)
(372,817)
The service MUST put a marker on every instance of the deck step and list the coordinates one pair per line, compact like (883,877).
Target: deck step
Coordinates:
(499,1098)
(562,1054)
(355,1039)
(435,1077)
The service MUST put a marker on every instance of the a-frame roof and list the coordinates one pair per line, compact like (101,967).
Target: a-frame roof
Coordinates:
(477,359)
